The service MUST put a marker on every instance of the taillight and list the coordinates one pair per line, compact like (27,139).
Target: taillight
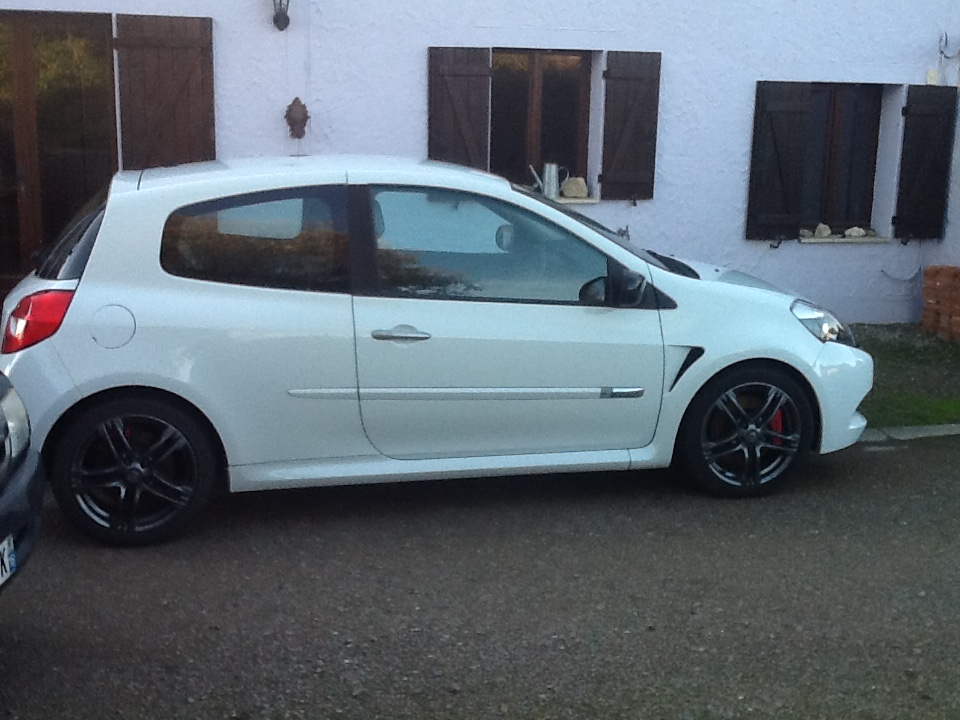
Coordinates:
(35,318)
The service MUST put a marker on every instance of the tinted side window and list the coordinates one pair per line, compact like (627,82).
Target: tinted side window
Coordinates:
(292,239)
(451,245)
(69,256)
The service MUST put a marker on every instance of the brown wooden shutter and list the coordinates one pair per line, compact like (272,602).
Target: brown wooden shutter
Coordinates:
(777,161)
(630,125)
(459,106)
(166,90)
(928,133)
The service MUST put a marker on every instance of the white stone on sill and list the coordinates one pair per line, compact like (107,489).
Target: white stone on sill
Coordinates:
(823,231)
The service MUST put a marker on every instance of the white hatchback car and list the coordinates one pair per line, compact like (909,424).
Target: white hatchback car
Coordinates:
(279,323)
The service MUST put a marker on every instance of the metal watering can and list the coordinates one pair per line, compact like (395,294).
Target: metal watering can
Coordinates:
(550,183)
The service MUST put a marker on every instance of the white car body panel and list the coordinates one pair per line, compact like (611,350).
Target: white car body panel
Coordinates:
(294,383)
(841,378)
(358,471)
(506,379)
(244,356)
(839,375)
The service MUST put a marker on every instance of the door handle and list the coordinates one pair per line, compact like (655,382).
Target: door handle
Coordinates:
(401,333)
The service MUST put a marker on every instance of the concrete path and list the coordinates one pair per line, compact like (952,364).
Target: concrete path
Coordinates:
(910,432)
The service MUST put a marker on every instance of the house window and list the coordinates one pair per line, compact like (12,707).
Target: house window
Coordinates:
(539,111)
(506,110)
(814,157)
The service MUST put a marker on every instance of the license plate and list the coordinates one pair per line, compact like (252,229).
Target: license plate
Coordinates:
(8,559)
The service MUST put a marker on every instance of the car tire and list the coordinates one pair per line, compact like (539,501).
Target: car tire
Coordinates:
(134,470)
(745,431)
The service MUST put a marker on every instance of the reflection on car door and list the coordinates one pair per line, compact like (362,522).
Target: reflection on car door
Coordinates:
(477,345)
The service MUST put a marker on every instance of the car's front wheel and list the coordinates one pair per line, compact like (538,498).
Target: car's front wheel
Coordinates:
(133,470)
(745,430)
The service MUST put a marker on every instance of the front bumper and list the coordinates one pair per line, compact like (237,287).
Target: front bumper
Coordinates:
(20,503)
(843,377)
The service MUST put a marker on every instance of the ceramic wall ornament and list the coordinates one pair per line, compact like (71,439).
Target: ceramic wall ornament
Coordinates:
(297,117)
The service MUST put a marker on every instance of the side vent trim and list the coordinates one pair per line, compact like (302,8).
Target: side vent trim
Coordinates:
(693,355)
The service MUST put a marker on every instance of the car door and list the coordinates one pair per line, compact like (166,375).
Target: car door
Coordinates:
(473,341)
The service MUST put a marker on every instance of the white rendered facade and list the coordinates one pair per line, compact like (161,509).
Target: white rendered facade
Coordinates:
(361,69)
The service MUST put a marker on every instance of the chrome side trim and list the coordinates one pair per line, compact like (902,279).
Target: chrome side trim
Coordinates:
(498,393)
(615,393)
(324,393)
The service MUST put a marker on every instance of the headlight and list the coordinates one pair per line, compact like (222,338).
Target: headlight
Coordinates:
(14,432)
(822,324)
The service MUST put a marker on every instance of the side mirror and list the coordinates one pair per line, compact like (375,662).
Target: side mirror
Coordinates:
(594,292)
(632,288)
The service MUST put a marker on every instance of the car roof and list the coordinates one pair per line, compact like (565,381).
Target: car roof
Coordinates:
(292,171)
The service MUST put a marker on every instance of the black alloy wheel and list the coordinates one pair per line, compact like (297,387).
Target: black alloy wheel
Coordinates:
(133,471)
(746,430)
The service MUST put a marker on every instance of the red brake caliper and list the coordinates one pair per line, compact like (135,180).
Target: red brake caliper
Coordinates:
(776,424)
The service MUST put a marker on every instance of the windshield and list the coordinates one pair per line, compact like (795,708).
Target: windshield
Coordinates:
(593,225)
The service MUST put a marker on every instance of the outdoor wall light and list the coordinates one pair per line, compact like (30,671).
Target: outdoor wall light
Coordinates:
(280,17)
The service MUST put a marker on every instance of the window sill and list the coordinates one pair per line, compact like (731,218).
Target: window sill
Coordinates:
(841,240)
(577,201)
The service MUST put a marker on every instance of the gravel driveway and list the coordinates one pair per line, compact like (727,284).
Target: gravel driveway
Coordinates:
(587,596)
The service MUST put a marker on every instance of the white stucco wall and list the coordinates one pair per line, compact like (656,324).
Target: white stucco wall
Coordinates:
(361,69)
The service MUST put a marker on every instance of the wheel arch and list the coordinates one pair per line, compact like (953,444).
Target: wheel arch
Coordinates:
(133,391)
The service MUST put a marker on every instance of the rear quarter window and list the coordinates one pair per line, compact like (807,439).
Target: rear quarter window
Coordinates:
(291,239)
(68,258)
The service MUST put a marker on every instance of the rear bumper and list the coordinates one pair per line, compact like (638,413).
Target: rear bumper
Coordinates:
(20,503)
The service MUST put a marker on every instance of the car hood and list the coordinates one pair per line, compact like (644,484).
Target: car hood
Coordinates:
(715,273)
(735,277)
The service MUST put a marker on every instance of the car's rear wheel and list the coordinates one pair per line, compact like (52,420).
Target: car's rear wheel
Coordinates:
(133,470)
(745,431)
